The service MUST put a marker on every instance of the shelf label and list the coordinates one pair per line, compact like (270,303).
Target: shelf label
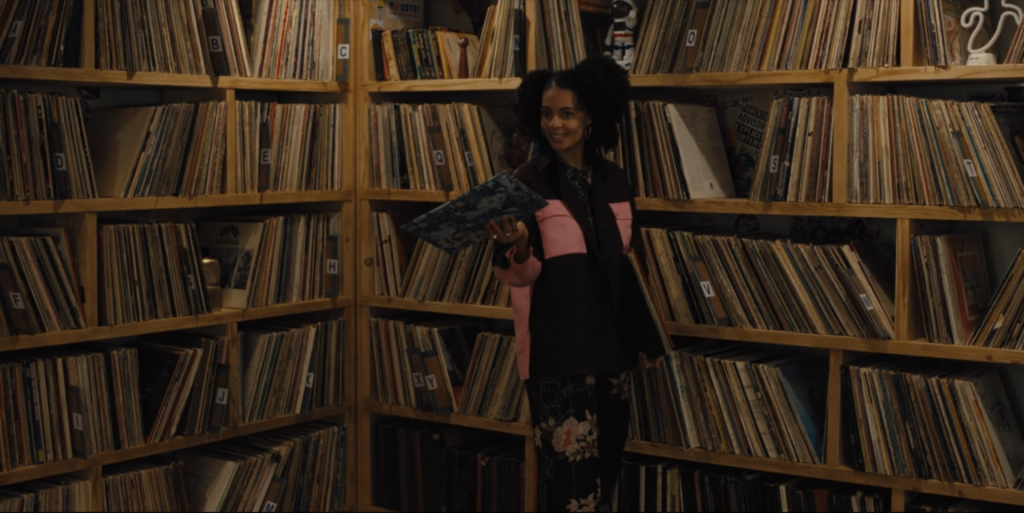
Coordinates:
(691,38)
(222,396)
(309,380)
(15,29)
(515,43)
(60,162)
(417,379)
(16,301)
(431,382)
(265,156)
(332,266)
(469,159)
(970,168)
(270,507)
(191,282)
(216,45)
(774,165)
(705,287)
(76,419)
(867,302)
(439,157)
(343,51)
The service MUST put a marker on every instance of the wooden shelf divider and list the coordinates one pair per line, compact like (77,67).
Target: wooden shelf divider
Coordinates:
(488,312)
(225,316)
(177,444)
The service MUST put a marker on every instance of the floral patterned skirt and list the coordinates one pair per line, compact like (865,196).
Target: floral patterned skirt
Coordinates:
(580,425)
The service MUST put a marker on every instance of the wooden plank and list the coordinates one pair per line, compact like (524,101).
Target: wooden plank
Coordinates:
(744,206)
(911,52)
(87,44)
(529,474)
(908,311)
(84,232)
(454,419)
(84,76)
(439,86)
(834,411)
(179,323)
(11,208)
(841,142)
(918,348)
(898,500)
(96,488)
(993,73)
(738,79)
(829,473)
(403,195)
(63,467)
(488,312)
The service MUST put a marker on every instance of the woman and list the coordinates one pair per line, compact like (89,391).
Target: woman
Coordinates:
(564,265)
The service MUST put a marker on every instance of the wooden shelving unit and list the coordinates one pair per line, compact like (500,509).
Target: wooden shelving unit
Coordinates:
(908,219)
(81,217)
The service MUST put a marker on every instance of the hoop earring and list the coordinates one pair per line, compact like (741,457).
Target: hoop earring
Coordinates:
(586,133)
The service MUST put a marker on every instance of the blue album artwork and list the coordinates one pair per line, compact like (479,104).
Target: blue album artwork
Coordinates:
(459,223)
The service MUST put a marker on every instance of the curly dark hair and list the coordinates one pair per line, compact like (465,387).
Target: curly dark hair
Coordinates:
(602,89)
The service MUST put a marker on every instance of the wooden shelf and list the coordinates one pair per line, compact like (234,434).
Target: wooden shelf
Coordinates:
(168,202)
(739,79)
(998,72)
(743,206)
(80,76)
(177,444)
(439,86)
(454,419)
(919,348)
(179,323)
(407,195)
(488,312)
(839,474)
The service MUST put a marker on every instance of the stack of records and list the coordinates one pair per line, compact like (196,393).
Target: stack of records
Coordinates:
(166,150)
(58,165)
(54,494)
(766,403)
(949,423)
(783,35)
(299,359)
(994,330)
(285,147)
(796,164)
(493,388)
(915,151)
(651,484)
(669,36)
(40,282)
(466,277)
(145,485)
(560,42)
(38,33)
(953,285)
(876,34)
(438,146)
(282,33)
(151,271)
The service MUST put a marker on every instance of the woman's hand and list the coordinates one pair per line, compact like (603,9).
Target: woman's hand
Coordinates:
(509,231)
(646,365)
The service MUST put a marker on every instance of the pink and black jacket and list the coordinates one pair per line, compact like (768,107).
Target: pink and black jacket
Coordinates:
(566,297)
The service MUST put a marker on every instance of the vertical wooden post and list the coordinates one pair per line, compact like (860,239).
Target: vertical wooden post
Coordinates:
(96,488)
(911,53)
(909,325)
(84,231)
(834,435)
(530,476)
(897,502)
(231,163)
(841,137)
(235,377)
(364,421)
(533,21)
(87,49)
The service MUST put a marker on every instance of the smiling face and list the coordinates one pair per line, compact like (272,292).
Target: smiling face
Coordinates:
(562,120)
